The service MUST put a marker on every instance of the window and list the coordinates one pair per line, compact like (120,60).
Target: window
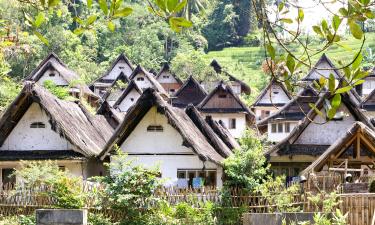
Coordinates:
(7,177)
(52,74)
(222,123)
(208,177)
(275,92)
(172,90)
(37,125)
(121,67)
(273,128)
(140,78)
(287,127)
(165,76)
(279,128)
(155,128)
(232,123)
(132,99)
(222,96)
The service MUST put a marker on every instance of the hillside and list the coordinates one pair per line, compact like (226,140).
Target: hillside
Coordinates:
(245,62)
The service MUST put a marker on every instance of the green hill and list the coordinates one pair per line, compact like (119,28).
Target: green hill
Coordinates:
(245,62)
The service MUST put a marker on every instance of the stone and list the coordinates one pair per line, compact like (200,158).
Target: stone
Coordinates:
(61,217)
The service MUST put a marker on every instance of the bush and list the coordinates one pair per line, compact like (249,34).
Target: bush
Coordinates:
(372,186)
(98,219)
(252,40)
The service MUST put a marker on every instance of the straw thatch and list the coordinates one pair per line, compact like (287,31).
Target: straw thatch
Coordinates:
(87,133)
(156,85)
(166,68)
(191,92)
(265,90)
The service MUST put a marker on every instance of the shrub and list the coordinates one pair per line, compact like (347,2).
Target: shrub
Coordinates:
(372,186)
(99,219)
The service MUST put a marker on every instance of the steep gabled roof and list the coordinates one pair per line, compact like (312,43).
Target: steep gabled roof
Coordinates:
(342,142)
(293,136)
(177,118)
(268,87)
(218,69)
(318,69)
(166,68)
(119,58)
(369,102)
(87,133)
(223,133)
(128,89)
(53,61)
(112,116)
(156,85)
(191,92)
(221,87)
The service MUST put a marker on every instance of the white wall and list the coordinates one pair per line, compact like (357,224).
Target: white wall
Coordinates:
(167,142)
(318,73)
(117,70)
(326,134)
(169,80)
(279,136)
(368,86)
(127,102)
(23,137)
(57,79)
(225,117)
(258,110)
(142,84)
(276,94)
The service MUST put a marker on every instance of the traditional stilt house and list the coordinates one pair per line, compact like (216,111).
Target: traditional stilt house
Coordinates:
(314,136)
(323,68)
(368,86)
(39,126)
(53,69)
(116,88)
(188,150)
(270,99)
(237,85)
(121,66)
(355,149)
(170,82)
(191,92)
(368,104)
(279,125)
(224,106)
(128,98)
(145,80)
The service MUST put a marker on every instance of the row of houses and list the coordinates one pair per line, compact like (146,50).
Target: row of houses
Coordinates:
(156,118)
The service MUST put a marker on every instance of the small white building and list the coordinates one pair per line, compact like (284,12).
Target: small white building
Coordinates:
(178,140)
(323,68)
(270,100)
(127,98)
(191,92)
(224,106)
(170,82)
(39,126)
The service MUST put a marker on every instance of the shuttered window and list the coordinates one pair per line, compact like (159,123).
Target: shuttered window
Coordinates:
(155,128)
(37,125)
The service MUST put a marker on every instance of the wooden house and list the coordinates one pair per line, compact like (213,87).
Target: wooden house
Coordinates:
(368,104)
(145,79)
(237,85)
(53,69)
(281,123)
(368,86)
(180,140)
(313,136)
(355,149)
(128,98)
(224,106)
(323,68)
(271,99)
(121,66)
(191,92)
(117,87)
(170,82)
(39,126)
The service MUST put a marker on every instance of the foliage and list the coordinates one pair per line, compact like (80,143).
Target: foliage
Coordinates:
(372,186)
(99,219)
(66,190)
(59,91)
(247,167)
(27,220)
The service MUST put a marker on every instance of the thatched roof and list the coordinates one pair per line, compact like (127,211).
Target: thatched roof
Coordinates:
(369,102)
(112,116)
(166,68)
(87,133)
(273,82)
(191,92)
(223,133)
(192,136)
(320,70)
(156,85)
(52,61)
(218,69)
(340,143)
(6,155)
(285,146)
(129,88)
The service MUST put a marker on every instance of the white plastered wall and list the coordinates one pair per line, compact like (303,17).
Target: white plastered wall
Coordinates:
(275,95)
(276,137)
(142,84)
(121,66)
(57,78)
(129,100)
(225,117)
(164,80)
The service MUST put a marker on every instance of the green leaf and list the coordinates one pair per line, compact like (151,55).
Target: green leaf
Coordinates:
(336,21)
(343,11)
(336,101)
(359,82)
(180,6)
(79,20)
(317,30)
(111,26)
(347,72)
(177,23)
(331,113)
(41,37)
(53,3)
(271,51)
(331,83)
(343,90)
(317,111)
(40,18)
(286,20)
(161,4)
(78,31)
(171,5)
(356,30)
(124,12)
(89,4)
(360,75)
(325,26)
(103,6)
(370,15)
(301,14)
(91,20)
(59,13)
(281,6)
(322,81)
(290,63)
(357,62)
